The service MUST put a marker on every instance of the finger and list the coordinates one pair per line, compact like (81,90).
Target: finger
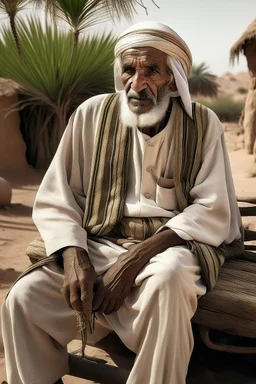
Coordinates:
(66,294)
(87,295)
(97,300)
(86,301)
(102,308)
(75,300)
(119,303)
(110,307)
(117,306)
(97,283)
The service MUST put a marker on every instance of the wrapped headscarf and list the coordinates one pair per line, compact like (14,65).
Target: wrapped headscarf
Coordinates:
(165,39)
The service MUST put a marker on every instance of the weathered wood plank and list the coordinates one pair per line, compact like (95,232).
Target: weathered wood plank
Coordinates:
(249,235)
(250,247)
(249,256)
(96,371)
(248,211)
(226,323)
(246,199)
(231,305)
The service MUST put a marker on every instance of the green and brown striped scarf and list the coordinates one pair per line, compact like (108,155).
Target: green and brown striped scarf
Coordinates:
(108,182)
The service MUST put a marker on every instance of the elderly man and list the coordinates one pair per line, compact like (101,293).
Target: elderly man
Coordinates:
(140,206)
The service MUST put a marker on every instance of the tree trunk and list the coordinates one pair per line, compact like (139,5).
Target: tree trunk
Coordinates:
(75,44)
(15,36)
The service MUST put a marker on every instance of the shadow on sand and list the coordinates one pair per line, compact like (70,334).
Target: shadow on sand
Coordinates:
(8,276)
(16,209)
(27,178)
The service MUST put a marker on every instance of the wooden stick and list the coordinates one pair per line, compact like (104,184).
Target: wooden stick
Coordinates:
(247,211)
(247,199)
(205,335)
(249,235)
(250,248)
(95,371)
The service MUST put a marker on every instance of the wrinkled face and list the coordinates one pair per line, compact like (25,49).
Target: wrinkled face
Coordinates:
(145,76)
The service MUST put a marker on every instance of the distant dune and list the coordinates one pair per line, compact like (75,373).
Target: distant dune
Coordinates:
(234,85)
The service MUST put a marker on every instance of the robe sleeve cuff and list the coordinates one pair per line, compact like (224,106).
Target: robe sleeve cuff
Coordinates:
(183,235)
(75,238)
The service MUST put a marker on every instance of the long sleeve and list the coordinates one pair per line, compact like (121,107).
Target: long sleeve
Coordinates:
(60,201)
(213,217)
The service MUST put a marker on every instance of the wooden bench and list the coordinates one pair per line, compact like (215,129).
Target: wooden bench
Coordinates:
(229,309)
(231,306)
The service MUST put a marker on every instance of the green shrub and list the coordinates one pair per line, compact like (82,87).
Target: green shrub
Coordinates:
(225,108)
(242,90)
(54,79)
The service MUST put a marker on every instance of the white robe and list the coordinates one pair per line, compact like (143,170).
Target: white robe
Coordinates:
(155,318)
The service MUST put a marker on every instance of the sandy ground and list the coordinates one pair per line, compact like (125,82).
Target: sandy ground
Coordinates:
(17,228)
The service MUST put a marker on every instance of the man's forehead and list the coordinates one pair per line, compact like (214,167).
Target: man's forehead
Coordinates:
(147,52)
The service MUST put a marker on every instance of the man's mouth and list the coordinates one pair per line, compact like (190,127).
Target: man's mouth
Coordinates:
(139,98)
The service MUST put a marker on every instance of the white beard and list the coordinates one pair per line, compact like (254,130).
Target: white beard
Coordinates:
(155,115)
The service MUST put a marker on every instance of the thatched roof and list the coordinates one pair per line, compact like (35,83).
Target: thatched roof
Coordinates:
(238,47)
(8,87)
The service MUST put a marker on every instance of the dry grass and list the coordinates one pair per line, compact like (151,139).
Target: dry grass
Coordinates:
(8,87)
(238,47)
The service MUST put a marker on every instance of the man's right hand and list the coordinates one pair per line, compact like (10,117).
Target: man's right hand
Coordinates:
(79,279)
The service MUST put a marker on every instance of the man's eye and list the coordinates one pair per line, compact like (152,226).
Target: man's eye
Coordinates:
(152,70)
(128,70)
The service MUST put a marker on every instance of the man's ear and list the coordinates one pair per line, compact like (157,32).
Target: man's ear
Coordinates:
(173,87)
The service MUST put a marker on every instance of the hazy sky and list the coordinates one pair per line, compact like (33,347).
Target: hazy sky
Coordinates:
(209,27)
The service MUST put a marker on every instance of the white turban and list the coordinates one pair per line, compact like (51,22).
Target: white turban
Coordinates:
(163,38)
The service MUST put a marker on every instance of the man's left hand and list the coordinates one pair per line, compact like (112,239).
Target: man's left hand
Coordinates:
(114,286)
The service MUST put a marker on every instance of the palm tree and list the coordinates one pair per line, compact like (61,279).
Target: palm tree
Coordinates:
(12,7)
(202,82)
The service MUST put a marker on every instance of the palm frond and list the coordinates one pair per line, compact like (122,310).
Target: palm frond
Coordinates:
(202,82)
(118,9)
(49,6)
(81,14)
(11,7)
(126,8)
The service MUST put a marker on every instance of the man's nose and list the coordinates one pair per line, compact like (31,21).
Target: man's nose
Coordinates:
(138,82)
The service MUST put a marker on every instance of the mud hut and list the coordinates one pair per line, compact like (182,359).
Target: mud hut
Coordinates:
(247,45)
(12,146)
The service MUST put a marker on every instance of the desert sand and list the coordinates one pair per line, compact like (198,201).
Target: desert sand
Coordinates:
(17,229)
